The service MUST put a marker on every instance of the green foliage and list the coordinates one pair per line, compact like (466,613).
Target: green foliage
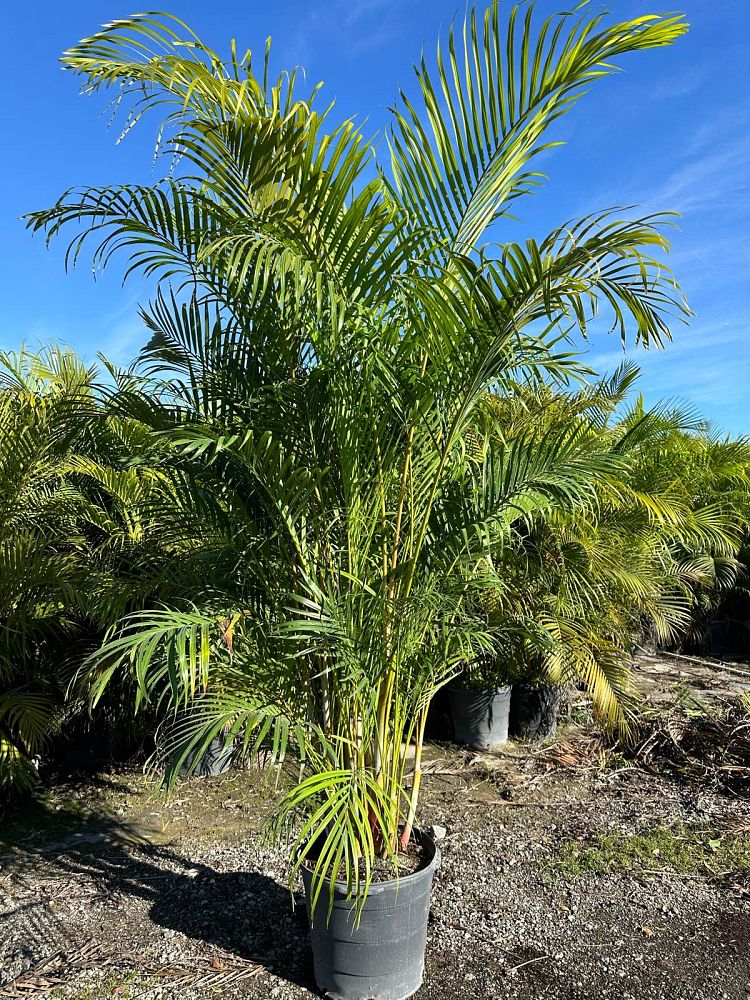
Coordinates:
(76,551)
(584,586)
(41,545)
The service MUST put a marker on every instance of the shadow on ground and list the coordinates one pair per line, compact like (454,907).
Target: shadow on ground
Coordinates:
(248,914)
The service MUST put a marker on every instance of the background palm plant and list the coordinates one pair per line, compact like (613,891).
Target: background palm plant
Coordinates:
(40,542)
(590,583)
(79,545)
(707,472)
(323,337)
(58,586)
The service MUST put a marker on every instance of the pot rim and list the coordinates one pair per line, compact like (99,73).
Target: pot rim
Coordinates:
(464,689)
(377,887)
(535,685)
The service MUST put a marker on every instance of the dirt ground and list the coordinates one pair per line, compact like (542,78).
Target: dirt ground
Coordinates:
(568,872)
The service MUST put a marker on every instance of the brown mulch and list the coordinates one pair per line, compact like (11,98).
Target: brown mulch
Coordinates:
(710,745)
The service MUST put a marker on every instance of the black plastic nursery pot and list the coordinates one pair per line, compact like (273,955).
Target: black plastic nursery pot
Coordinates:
(87,752)
(439,726)
(480,716)
(216,760)
(382,957)
(717,633)
(533,711)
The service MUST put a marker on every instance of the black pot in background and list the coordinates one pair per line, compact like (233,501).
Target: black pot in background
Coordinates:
(717,632)
(439,723)
(383,957)
(216,760)
(87,753)
(480,716)
(97,742)
(533,711)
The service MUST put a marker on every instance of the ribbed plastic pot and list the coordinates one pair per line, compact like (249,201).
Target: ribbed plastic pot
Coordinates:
(382,958)
(533,711)
(216,760)
(480,716)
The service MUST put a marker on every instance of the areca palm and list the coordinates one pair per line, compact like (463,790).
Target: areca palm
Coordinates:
(591,581)
(321,340)
(41,541)
(709,475)
(40,544)
(76,541)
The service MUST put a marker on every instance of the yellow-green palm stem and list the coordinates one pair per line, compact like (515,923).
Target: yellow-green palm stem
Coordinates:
(416,781)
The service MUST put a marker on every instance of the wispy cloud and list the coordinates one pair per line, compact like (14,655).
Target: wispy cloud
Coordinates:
(673,86)
(118,334)
(720,126)
(707,364)
(717,382)
(124,340)
(717,265)
(349,27)
(703,182)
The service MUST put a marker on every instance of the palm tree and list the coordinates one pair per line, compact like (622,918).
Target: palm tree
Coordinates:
(38,540)
(325,329)
(708,475)
(78,546)
(584,585)
(46,415)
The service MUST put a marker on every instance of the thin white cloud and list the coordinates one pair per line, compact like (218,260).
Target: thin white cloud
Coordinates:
(707,365)
(124,341)
(118,334)
(350,27)
(701,183)
(719,127)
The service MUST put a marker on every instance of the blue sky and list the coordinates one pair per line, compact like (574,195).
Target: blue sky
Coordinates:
(672,132)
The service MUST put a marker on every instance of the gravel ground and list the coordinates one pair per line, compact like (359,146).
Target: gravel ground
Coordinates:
(122,894)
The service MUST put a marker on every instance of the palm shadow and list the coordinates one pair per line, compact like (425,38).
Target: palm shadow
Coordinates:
(246,914)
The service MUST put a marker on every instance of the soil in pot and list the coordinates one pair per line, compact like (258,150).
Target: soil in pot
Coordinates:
(381,957)
(480,716)
(534,709)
